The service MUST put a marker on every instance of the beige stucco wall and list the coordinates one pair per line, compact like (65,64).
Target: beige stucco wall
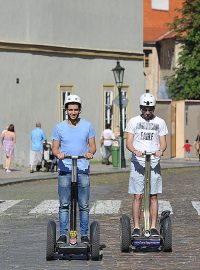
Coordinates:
(180,108)
(177,50)
(192,122)
(162,60)
(163,110)
(152,72)
(187,125)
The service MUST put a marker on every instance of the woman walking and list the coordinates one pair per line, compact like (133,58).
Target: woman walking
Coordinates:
(8,141)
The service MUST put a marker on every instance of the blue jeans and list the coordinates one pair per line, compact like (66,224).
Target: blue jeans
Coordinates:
(64,191)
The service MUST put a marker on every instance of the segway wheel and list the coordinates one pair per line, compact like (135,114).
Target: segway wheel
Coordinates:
(51,240)
(166,232)
(48,168)
(125,233)
(95,241)
(38,167)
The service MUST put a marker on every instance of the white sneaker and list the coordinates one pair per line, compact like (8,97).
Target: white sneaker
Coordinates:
(8,170)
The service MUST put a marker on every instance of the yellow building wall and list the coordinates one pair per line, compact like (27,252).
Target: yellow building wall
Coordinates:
(180,128)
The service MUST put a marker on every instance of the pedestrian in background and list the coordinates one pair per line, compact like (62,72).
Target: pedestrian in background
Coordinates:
(8,139)
(117,136)
(37,139)
(187,146)
(197,144)
(107,137)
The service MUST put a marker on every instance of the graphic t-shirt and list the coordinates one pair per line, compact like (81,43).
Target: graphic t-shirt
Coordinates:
(146,135)
(73,141)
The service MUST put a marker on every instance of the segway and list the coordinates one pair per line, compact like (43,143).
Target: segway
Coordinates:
(145,241)
(73,247)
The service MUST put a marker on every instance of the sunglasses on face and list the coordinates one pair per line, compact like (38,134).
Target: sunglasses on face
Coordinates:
(149,109)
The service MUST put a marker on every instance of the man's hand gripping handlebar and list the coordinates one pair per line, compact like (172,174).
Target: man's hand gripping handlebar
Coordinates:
(157,153)
(66,156)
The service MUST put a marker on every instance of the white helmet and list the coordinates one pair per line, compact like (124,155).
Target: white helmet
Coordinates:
(147,99)
(72,99)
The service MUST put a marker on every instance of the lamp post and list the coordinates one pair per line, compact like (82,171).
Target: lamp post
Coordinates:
(118,72)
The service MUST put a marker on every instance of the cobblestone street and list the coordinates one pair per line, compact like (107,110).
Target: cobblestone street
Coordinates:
(23,235)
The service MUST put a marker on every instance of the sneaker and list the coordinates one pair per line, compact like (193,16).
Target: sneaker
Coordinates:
(154,232)
(62,239)
(8,170)
(136,232)
(85,239)
(31,171)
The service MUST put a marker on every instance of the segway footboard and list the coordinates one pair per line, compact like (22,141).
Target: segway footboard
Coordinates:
(144,242)
(78,249)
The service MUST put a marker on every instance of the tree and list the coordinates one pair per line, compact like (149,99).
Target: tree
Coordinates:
(185,83)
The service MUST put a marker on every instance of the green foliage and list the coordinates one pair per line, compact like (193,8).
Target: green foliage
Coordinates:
(185,83)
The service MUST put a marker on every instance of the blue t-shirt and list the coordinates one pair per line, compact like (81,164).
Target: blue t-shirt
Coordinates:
(37,138)
(74,141)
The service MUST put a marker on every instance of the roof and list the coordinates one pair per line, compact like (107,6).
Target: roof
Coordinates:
(155,21)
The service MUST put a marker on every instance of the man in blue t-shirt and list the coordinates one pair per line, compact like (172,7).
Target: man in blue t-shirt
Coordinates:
(73,136)
(37,139)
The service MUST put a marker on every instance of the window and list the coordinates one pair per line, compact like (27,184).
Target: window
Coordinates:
(65,90)
(147,59)
(124,109)
(111,113)
(160,4)
(108,106)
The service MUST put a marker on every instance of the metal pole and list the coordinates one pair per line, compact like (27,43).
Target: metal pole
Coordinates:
(123,161)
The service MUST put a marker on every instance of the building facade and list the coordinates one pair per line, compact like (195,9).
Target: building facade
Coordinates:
(52,48)
(161,48)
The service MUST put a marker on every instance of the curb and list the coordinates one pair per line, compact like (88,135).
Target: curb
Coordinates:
(12,181)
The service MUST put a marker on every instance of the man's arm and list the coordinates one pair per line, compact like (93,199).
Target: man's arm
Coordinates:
(92,148)
(14,137)
(129,142)
(43,136)
(56,149)
(163,145)
(129,145)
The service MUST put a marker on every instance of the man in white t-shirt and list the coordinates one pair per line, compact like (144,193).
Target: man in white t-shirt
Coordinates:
(145,132)
(107,137)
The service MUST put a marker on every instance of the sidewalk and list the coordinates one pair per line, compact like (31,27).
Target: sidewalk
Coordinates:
(21,174)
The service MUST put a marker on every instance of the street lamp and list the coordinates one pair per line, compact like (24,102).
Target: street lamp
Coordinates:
(118,72)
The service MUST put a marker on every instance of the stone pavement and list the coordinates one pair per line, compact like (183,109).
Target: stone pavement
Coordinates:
(23,233)
(22,174)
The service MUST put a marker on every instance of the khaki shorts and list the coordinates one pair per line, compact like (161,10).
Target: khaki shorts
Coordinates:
(136,179)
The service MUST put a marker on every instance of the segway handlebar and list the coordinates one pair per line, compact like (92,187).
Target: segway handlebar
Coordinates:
(145,153)
(74,157)
(148,153)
